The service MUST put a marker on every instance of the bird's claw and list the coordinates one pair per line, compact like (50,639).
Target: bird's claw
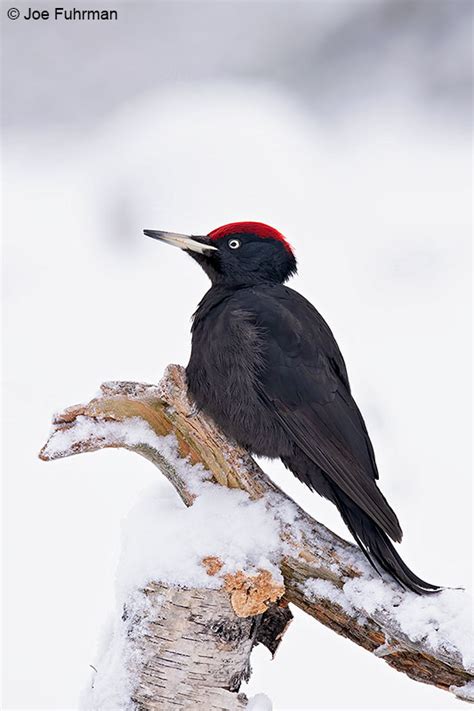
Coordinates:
(193,411)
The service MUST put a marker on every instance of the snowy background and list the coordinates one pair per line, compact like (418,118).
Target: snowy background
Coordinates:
(344,125)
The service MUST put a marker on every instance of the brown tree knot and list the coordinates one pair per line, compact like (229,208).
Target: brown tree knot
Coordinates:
(252,594)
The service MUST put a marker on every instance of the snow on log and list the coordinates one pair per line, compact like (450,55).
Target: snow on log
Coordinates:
(186,620)
(426,637)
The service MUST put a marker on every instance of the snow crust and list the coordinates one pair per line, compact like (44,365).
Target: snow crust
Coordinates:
(443,621)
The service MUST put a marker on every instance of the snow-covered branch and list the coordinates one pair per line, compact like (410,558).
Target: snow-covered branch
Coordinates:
(273,550)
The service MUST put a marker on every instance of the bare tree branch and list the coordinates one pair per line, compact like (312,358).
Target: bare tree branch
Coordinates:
(318,566)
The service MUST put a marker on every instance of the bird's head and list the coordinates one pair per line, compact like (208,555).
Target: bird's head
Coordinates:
(237,253)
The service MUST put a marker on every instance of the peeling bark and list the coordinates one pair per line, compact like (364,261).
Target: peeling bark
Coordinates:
(315,553)
(181,648)
(196,650)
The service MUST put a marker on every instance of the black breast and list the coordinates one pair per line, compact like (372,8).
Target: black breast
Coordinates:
(224,371)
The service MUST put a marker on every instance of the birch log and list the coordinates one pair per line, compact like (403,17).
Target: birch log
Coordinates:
(320,569)
(187,649)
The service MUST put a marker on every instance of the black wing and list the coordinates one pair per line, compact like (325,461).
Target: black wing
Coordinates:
(304,382)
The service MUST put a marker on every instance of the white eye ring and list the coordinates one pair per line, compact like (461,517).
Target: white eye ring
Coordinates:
(234,243)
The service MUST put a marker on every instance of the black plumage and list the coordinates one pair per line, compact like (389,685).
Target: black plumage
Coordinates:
(267,369)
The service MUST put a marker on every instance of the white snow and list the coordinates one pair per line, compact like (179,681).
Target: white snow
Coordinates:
(443,621)
(112,678)
(165,541)
(128,432)
(316,587)
(259,702)
(465,692)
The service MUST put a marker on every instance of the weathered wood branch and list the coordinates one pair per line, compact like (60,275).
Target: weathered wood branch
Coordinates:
(323,574)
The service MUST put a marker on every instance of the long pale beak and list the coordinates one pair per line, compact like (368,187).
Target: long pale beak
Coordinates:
(190,244)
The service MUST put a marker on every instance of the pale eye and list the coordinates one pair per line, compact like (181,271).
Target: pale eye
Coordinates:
(234,243)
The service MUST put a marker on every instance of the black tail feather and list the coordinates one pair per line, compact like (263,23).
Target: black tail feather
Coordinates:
(378,548)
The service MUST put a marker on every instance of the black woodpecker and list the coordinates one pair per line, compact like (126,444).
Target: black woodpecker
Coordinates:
(266,368)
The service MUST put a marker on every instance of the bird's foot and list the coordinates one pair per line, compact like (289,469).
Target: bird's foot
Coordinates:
(193,411)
